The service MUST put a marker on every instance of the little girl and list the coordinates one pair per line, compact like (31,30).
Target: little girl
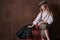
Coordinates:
(43,19)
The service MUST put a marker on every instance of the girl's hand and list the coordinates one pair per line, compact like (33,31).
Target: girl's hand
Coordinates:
(30,26)
(40,23)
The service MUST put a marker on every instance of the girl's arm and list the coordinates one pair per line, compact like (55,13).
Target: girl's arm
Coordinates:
(42,22)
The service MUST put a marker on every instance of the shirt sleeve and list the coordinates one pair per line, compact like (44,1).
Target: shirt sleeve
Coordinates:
(50,19)
(37,19)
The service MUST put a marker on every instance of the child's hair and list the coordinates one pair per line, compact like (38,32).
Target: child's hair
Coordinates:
(46,8)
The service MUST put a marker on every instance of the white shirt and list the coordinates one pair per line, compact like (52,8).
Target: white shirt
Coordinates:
(46,16)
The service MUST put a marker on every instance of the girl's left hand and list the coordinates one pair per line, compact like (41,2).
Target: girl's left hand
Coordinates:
(40,22)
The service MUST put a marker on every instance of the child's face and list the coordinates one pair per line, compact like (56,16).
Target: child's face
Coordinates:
(42,7)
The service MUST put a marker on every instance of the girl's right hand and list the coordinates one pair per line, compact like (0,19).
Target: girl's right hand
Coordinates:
(30,26)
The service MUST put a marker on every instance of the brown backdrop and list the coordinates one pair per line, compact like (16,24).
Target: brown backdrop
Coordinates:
(16,13)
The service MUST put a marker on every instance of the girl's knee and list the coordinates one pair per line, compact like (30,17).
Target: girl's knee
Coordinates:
(44,28)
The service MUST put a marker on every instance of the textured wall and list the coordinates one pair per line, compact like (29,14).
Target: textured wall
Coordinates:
(16,13)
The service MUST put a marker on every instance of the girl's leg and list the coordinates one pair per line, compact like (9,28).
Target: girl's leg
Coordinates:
(42,35)
(46,33)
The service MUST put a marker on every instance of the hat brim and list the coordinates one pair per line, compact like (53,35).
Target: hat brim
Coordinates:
(42,2)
